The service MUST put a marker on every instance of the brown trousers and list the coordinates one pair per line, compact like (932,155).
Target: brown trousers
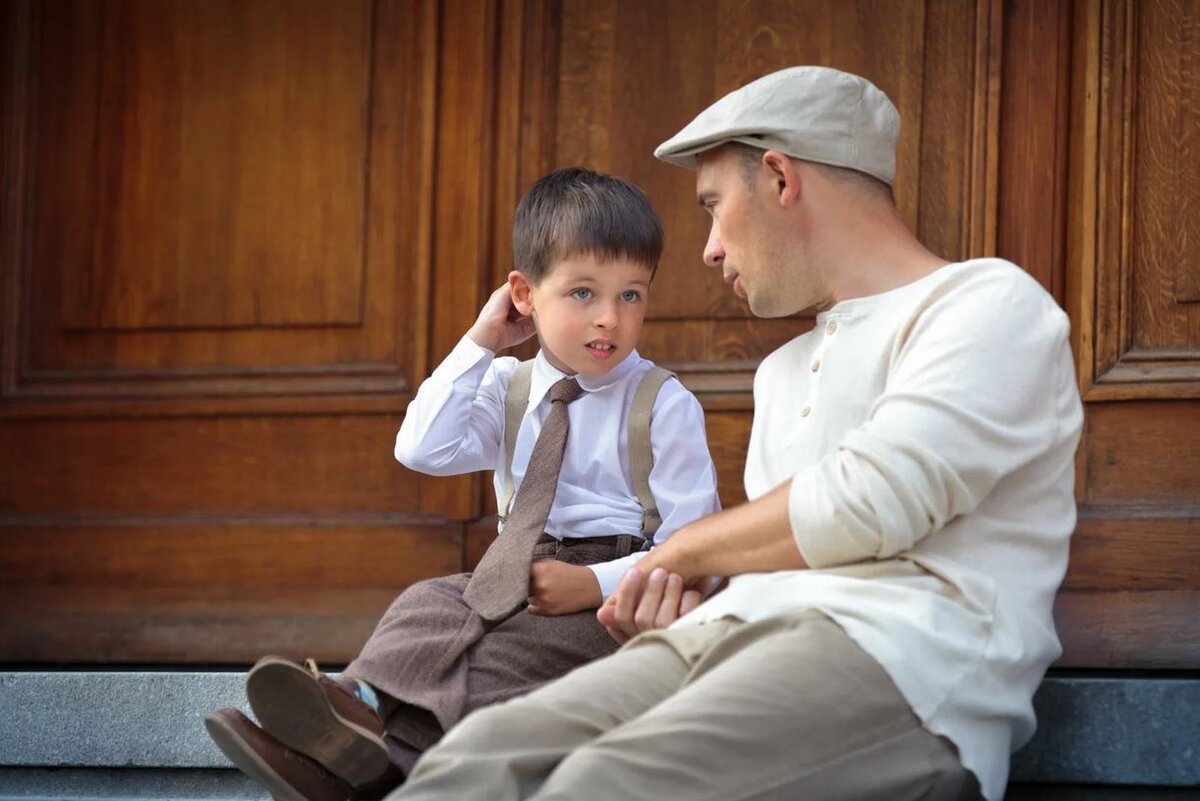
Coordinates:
(441,660)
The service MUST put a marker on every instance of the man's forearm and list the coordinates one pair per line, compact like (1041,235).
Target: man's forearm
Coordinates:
(752,538)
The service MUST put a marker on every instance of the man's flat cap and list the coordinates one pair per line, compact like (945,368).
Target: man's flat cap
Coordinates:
(812,113)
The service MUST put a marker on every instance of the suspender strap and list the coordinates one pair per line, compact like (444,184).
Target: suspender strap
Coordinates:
(641,454)
(514,411)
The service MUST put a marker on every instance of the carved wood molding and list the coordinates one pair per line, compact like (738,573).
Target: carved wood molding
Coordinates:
(339,377)
(1103,257)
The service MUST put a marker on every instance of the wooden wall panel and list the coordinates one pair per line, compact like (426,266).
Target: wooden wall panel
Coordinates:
(257,210)
(1133,591)
(631,74)
(213,200)
(222,279)
(1136,172)
(223,591)
(214,466)
(219,237)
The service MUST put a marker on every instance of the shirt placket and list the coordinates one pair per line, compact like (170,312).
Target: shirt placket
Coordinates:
(815,366)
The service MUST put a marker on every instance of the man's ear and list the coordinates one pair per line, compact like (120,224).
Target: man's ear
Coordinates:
(521,290)
(785,178)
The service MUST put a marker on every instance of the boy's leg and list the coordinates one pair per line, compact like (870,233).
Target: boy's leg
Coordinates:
(506,751)
(344,724)
(781,709)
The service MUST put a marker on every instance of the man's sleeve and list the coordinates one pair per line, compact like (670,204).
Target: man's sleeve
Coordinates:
(970,398)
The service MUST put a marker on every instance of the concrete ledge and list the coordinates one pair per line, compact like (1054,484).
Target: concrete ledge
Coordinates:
(1099,731)
(113,719)
(142,784)
(1115,731)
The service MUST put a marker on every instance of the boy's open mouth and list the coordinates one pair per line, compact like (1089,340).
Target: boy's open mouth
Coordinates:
(601,349)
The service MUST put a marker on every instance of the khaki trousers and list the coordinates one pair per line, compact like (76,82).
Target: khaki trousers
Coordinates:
(786,708)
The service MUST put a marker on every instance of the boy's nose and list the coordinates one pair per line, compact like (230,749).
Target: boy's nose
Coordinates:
(606,316)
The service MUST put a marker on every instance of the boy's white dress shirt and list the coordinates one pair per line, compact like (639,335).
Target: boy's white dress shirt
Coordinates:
(455,424)
(928,434)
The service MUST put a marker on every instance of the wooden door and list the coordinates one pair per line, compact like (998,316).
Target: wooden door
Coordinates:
(218,282)
(235,236)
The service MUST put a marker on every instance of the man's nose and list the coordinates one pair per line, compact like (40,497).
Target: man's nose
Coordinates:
(714,251)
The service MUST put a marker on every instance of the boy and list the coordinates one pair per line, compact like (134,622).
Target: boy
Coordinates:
(587,246)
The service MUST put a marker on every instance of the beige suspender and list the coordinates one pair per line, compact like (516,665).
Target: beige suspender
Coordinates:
(641,453)
(514,411)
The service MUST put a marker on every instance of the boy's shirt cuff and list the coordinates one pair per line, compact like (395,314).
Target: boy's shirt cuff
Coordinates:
(609,574)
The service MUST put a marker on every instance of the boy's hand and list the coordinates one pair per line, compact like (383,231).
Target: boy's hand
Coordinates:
(500,325)
(557,588)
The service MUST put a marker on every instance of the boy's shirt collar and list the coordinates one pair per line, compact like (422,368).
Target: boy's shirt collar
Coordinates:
(546,374)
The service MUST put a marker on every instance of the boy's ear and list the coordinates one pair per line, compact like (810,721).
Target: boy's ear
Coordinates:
(520,288)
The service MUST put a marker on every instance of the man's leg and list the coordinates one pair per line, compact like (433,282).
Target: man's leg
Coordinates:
(788,708)
(506,751)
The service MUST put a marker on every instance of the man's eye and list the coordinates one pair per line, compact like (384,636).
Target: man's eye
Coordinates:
(582,294)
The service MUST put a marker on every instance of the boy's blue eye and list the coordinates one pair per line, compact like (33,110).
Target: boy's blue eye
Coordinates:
(630,296)
(581,294)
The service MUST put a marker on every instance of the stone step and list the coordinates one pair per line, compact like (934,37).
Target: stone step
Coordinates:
(103,734)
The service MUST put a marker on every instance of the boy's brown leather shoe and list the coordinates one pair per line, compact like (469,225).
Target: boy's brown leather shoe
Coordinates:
(308,712)
(287,775)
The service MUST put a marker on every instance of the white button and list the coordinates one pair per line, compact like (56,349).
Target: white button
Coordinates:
(806,411)
(830,327)
(816,365)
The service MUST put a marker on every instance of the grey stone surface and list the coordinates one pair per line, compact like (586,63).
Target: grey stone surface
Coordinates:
(1114,731)
(1102,731)
(142,784)
(113,719)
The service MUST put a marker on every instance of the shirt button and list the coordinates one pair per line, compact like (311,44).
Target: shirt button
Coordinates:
(816,365)
(806,411)
(830,327)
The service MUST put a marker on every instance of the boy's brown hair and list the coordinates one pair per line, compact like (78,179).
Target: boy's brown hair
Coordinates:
(574,211)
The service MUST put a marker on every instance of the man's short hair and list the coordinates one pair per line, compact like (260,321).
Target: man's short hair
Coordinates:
(573,212)
(751,158)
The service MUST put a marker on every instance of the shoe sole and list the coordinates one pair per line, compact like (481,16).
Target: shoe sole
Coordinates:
(291,706)
(249,762)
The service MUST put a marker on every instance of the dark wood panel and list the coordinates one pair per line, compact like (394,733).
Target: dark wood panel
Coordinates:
(631,76)
(1165,202)
(1035,91)
(1142,452)
(1131,249)
(675,342)
(954,176)
(207,593)
(381,67)
(229,149)
(728,437)
(1134,552)
(1129,630)
(217,465)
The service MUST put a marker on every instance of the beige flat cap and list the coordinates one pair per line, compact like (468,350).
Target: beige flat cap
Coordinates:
(812,113)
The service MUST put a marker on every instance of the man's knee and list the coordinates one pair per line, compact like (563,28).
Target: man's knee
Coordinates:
(582,773)
(481,727)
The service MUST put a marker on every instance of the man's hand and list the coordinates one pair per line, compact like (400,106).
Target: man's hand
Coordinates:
(642,604)
(557,588)
(499,324)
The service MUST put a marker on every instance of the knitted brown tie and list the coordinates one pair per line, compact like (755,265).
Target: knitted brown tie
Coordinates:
(501,582)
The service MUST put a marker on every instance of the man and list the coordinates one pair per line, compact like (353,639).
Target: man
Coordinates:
(911,478)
